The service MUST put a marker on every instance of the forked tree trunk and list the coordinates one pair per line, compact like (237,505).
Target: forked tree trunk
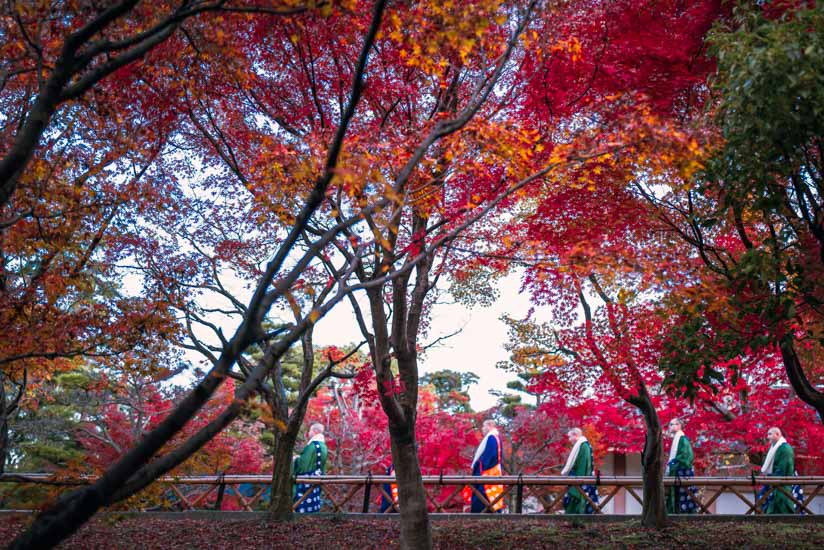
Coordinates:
(654,511)
(416,533)
(280,507)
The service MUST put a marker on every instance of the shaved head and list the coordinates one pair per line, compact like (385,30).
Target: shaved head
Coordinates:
(488,426)
(675,426)
(574,434)
(774,434)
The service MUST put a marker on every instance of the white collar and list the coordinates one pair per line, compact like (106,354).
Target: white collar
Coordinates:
(482,445)
(674,448)
(317,437)
(767,468)
(573,455)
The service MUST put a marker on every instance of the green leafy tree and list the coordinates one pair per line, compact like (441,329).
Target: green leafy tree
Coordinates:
(451,388)
(756,217)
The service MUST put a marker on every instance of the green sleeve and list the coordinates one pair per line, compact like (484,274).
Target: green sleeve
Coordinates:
(323,454)
(684,453)
(305,463)
(583,462)
(784,464)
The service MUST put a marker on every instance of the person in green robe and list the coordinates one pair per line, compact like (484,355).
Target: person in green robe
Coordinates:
(680,499)
(310,462)
(780,462)
(579,463)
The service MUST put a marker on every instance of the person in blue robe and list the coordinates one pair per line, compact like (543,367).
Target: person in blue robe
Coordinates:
(487,462)
(390,489)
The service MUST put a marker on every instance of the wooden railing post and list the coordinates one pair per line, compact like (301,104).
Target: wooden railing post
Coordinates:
(221,488)
(754,492)
(367,489)
(519,495)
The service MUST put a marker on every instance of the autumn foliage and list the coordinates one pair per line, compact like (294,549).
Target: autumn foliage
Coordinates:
(213,177)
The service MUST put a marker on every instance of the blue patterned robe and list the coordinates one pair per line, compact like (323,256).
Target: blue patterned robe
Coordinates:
(311,462)
(681,499)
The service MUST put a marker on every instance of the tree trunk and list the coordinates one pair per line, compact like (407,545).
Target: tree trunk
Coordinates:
(4,440)
(798,380)
(4,424)
(72,509)
(280,507)
(416,533)
(654,511)
(26,140)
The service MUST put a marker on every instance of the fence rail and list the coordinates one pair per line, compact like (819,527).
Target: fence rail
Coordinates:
(445,492)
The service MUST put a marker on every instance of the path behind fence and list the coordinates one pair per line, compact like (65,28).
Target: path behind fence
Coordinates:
(445,493)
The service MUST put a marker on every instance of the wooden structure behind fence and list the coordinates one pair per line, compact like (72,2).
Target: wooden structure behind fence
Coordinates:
(359,493)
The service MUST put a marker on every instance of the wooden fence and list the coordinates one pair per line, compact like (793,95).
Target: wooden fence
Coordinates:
(445,493)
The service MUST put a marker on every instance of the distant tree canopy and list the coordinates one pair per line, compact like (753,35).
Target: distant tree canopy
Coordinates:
(452,388)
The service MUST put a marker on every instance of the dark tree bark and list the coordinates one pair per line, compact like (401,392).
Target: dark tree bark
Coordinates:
(415,529)
(280,507)
(27,139)
(4,425)
(399,399)
(7,410)
(654,511)
(395,337)
(798,379)
(73,509)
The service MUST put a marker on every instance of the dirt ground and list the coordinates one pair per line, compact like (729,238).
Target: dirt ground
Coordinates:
(111,532)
